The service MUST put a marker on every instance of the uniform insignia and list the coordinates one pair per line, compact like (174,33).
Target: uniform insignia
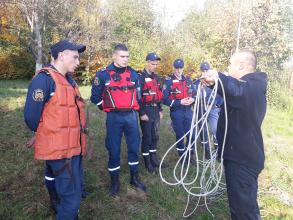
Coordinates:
(96,81)
(38,95)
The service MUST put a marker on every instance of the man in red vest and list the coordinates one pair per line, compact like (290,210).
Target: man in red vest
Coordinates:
(55,111)
(116,91)
(150,111)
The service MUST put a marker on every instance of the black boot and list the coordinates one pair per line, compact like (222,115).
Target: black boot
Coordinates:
(134,181)
(148,164)
(115,185)
(154,160)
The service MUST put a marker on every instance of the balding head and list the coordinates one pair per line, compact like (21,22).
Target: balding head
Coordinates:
(242,62)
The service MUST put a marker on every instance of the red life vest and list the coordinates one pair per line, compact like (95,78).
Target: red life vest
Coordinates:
(120,93)
(151,92)
(59,132)
(179,90)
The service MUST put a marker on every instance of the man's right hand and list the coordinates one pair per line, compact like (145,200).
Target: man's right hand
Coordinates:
(144,117)
(31,142)
(185,101)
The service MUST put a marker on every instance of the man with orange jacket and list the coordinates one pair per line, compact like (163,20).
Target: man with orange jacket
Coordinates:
(55,111)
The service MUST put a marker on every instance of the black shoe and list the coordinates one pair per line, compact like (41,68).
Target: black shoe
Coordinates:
(134,181)
(115,185)
(148,164)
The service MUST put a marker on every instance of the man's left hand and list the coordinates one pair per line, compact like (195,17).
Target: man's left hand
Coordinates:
(31,142)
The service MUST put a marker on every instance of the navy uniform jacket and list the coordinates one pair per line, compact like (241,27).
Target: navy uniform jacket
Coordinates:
(144,74)
(175,104)
(102,77)
(246,106)
(40,90)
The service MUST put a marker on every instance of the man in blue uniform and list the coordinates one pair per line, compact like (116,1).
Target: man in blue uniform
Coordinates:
(64,170)
(116,90)
(178,94)
(213,116)
(245,91)
(150,111)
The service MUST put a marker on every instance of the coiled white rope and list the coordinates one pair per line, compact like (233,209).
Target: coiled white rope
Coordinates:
(206,183)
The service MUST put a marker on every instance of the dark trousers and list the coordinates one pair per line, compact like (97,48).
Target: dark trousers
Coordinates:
(68,187)
(150,130)
(50,182)
(181,123)
(242,189)
(118,123)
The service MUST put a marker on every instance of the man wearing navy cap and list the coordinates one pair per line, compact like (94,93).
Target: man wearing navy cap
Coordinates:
(179,94)
(150,111)
(55,112)
(213,115)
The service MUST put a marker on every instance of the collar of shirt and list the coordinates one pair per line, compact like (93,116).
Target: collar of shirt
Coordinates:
(112,67)
(147,74)
(175,77)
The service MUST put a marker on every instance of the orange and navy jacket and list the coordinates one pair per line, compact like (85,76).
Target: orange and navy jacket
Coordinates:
(151,90)
(174,90)
(55,105)
(116,89)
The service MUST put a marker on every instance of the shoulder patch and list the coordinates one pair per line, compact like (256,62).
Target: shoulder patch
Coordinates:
(38,95)
(96,81)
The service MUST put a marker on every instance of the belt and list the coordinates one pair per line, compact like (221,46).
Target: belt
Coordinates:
(150,104)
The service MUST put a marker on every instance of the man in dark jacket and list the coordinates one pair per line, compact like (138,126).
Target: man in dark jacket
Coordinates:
(245,91)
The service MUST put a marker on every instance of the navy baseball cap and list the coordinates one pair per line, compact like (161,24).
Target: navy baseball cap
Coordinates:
(66,45)
(205,66)
(178,64)
(152,57)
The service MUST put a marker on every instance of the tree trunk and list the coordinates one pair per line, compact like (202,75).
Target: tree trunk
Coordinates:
(38,42)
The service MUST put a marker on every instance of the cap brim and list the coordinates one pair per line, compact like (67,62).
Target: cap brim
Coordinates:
(157,59)
(79,47)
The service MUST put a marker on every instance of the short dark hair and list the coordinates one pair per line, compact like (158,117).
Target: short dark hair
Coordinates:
(120,47)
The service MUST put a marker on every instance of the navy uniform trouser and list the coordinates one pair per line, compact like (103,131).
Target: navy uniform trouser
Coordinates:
(181,123)
(68,186)
(212,122)
(242,189)
(150,130)
(50,181)
(118,123)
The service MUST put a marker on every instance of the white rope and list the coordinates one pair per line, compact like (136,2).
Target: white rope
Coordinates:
(206,183)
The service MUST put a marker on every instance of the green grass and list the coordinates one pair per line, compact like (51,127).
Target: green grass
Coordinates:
(23,194)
